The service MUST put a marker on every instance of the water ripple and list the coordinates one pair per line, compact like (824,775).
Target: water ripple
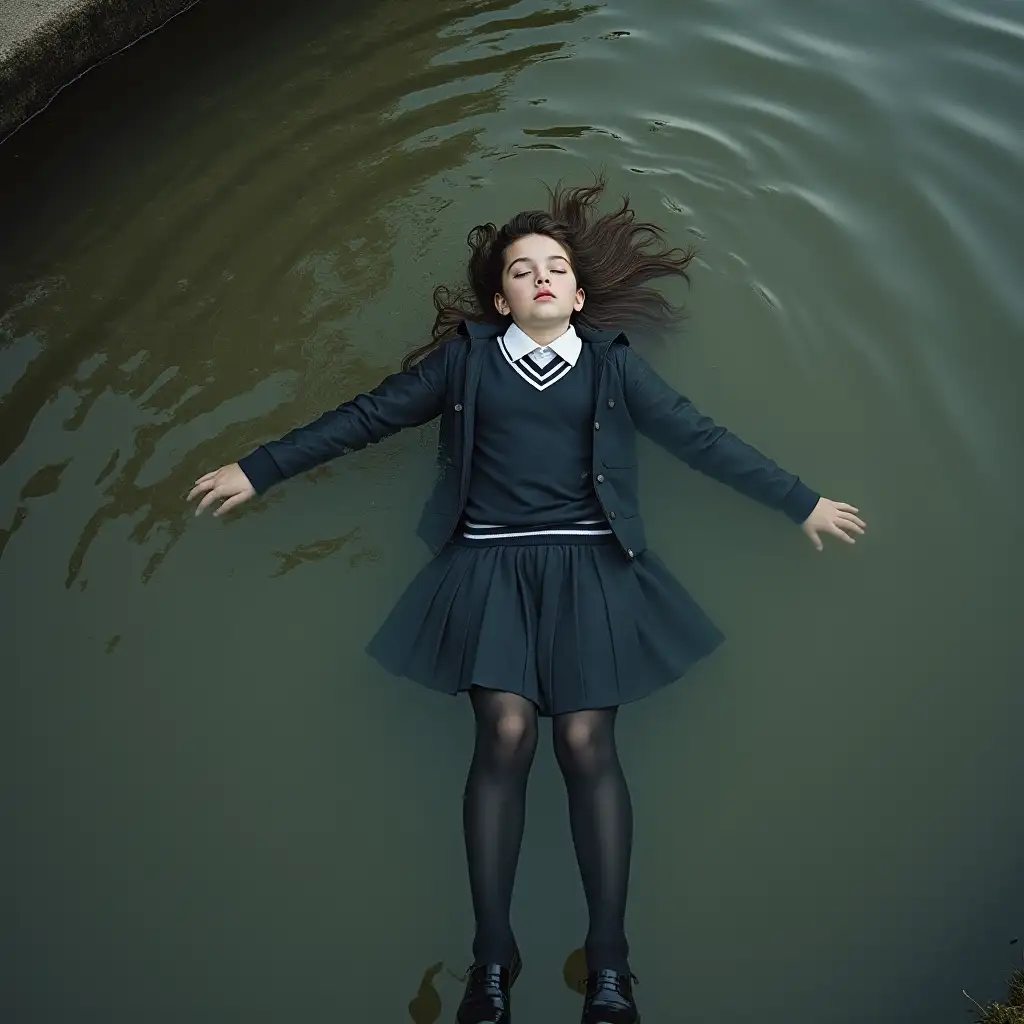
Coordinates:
(698,132)
(253,236)
(1001,29)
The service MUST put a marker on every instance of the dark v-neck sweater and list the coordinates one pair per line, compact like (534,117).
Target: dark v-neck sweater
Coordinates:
(533,442)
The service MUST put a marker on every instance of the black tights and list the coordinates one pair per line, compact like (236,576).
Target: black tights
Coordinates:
(494,812)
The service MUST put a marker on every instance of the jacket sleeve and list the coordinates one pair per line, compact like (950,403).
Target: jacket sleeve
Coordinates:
(672,421)
(401,400)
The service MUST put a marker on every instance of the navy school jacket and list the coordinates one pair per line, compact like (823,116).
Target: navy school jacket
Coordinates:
(630,397)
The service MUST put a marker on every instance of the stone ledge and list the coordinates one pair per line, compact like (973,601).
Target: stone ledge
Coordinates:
(45,44)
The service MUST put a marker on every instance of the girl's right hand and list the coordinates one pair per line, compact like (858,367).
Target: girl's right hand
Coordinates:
(228,483)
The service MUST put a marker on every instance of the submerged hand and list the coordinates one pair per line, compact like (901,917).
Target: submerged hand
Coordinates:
(833,517)
(228,483)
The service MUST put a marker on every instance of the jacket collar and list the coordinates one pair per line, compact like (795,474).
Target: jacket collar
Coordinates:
(478,330)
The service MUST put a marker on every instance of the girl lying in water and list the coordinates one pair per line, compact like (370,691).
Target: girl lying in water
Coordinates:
(543,598)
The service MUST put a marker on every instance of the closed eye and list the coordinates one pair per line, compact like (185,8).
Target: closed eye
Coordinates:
(526,273)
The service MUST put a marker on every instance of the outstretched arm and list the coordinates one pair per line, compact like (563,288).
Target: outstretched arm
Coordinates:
(401,400)
(672,421)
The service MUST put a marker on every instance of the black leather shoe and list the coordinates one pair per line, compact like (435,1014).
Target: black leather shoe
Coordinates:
(609,999)
(487,998)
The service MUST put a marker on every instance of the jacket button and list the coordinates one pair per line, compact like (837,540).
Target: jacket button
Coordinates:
(600,478)
(458,407)
(629,552)
(611,403)
(611,515)
(597,426)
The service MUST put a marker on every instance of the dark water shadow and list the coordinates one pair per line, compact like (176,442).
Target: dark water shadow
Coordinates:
(181,352)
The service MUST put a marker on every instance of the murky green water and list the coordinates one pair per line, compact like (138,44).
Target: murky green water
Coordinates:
(216,807)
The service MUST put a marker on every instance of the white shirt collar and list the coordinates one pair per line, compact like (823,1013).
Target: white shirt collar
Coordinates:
(519,344)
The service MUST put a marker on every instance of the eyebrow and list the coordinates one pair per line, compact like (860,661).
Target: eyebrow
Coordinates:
(526,259)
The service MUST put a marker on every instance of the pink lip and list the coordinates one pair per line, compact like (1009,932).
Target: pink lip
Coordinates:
(543,295)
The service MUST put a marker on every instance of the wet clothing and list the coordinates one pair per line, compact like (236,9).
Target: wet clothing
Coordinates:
(532,440)
(494,813)
(542,584)
(542,598)
(630,397)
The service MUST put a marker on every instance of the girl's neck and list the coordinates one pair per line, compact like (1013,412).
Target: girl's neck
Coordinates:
(544,334)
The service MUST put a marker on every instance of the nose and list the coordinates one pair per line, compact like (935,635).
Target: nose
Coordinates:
(543,277)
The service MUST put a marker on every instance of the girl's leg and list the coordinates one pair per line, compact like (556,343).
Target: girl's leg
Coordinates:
(494,812)
(601,816)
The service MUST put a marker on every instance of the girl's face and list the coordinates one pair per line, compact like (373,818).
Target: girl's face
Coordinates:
(538,284)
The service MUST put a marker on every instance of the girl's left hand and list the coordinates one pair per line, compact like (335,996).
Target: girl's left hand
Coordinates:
(833,517)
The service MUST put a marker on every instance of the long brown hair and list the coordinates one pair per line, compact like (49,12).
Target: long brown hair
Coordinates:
(613,256)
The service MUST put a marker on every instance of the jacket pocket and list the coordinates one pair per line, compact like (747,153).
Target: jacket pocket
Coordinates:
(625,480)
(632,534)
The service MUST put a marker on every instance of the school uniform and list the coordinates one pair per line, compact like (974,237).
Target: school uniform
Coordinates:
(542,584)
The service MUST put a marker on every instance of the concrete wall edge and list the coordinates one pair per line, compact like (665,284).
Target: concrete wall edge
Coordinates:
(81,35)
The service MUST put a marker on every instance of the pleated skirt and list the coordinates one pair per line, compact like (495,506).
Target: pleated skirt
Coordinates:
(570,626)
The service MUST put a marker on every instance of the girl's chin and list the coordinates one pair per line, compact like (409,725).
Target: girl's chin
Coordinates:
(545,311)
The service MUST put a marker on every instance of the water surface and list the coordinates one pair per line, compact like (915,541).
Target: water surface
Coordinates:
(217,807)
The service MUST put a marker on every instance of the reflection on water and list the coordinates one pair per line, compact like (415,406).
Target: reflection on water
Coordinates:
(427,1005)
(219,808)
(323,549)
(177,324)
(574,971)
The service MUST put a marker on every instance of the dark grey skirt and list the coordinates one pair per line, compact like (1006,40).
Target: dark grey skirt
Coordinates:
(568,625)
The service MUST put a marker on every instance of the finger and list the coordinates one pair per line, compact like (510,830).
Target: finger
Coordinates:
(208,476)
(199,489)
(815,539)
(843,507)
(852,518)
(839,533)
(236,499)
(209,499)
(849,524)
